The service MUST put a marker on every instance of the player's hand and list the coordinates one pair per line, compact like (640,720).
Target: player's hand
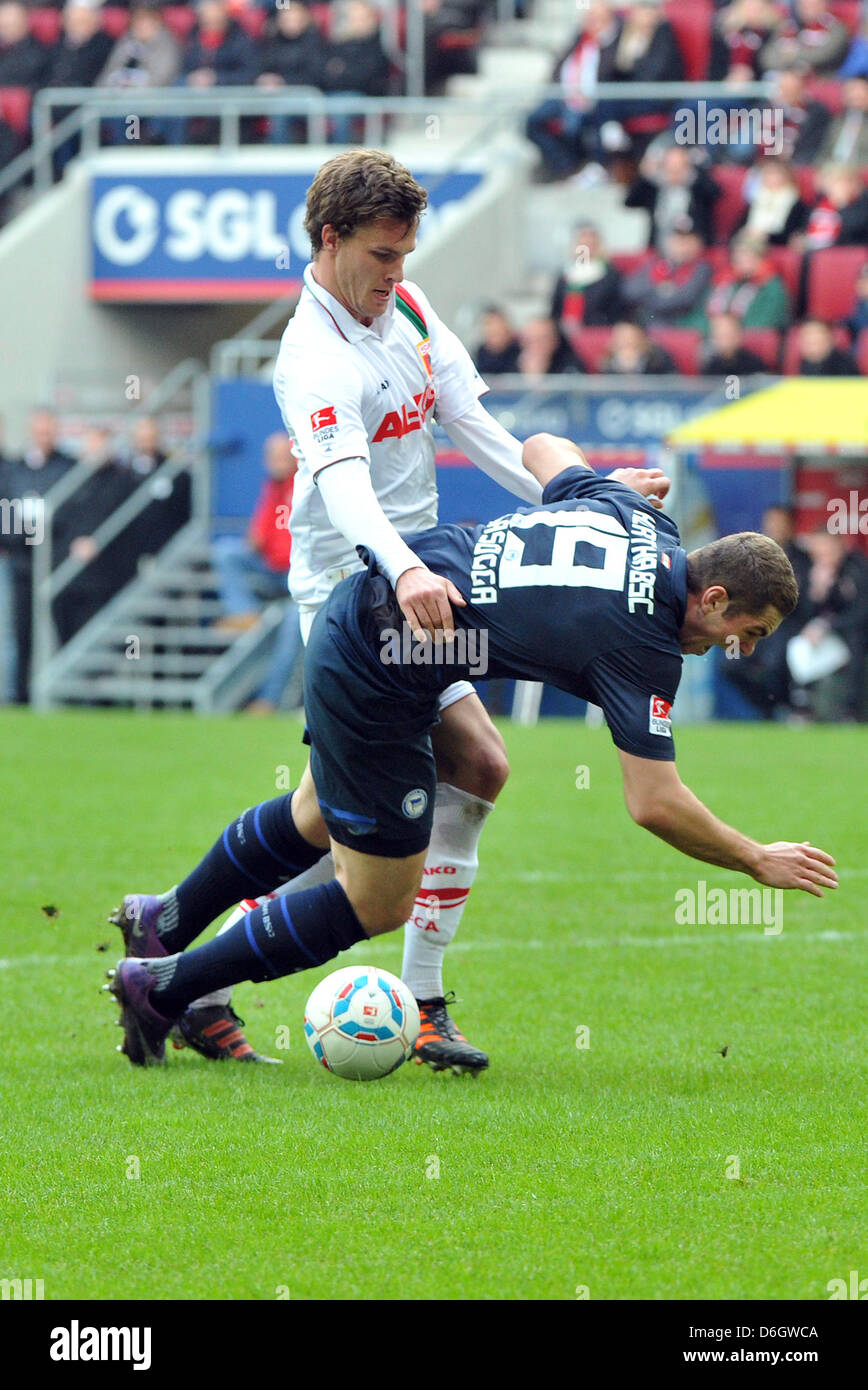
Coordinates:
(425,600)
(803,866)
(649,482)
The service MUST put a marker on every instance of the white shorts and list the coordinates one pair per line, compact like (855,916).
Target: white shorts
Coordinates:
(450,696)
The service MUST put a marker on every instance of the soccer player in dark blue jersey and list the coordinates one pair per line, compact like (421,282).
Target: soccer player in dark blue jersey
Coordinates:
(591,592)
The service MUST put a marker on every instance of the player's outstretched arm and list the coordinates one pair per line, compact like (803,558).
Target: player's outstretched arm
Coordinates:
(547,455)
(659,801)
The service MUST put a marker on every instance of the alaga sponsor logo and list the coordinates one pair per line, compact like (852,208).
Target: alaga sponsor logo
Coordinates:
(643,562)
(324,424)
(660,716)
(397,423)
(229,224)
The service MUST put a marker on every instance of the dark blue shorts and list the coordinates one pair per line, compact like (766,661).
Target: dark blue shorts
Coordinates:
(371,756)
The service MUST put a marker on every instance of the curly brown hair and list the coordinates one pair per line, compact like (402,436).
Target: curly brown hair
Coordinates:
(752,568)
(358,187)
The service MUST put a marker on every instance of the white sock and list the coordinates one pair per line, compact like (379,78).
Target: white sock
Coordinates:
(321,872)
(450,869)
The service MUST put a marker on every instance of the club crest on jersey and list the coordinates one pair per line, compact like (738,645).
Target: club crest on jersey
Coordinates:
(397,423)
(659,717)
(414,803)
(424,350)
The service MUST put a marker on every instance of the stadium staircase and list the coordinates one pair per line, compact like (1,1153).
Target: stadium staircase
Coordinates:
(156,646)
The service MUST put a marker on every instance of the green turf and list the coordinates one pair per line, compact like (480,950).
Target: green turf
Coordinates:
(603,1167)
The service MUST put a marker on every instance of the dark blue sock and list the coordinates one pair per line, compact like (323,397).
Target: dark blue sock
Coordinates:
(256,852)
(287,934)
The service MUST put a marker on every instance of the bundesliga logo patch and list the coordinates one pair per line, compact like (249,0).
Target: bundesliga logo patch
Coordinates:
(324,424)
(659,721)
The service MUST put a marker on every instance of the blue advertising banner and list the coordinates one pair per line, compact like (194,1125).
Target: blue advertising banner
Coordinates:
(187,238)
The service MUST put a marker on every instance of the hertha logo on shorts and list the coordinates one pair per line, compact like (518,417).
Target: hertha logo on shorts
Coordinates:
(414,804)
(659,721)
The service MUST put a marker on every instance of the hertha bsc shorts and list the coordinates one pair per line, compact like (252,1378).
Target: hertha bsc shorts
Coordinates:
(371,756)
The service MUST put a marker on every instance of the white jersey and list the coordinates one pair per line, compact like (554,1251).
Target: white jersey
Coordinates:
(347,391)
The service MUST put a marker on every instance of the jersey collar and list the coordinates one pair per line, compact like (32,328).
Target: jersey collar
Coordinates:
(347,326)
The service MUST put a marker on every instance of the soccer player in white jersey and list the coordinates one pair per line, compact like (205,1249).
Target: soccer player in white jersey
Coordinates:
(365,365)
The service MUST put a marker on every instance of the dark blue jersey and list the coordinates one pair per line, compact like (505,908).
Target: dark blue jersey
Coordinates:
(587,592)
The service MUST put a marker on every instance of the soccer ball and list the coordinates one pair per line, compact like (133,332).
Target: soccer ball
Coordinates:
(361,1022)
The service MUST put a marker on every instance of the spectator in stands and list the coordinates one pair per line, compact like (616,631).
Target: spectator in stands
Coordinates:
(253,570)
(837,602)
(739,35)
(765,678)
(76,61)
(105,566)
(218,53)
(171,503)
(839,217)
(750,287)
(355,62)
(646,51)
(557,126)
(632,353)
(671,185)
(858,320)
(818,355)
(725,353)
(499,348)
(670,290)
(588,290)
(292,54)
(28,479)
(23,60)
(451,38)
(846,140)
(147,55)
(775,210)
(856,62)
(799,123)
(810,35)
(545,350)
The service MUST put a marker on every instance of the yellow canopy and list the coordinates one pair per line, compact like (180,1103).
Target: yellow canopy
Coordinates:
(805,415)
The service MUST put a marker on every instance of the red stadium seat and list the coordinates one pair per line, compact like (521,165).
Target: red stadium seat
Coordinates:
(45,25)
(791,347)
(180,19)
(115,20)
(731,204)
(15,109)
(252,21)
(862,352)
(832,281)
(591,344)
(788,264)
(828,93)
(717,257)
(766,343)
(691,21)
(806,177)
(682,344)
(322,16)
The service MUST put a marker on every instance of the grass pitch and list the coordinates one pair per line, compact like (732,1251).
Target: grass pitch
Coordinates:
(647,1164)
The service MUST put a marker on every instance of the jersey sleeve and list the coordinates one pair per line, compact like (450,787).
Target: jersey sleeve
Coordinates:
(637,706)
(577,482)
(457,382)
(321,405)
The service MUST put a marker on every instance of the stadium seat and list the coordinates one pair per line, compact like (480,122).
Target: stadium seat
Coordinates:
(787,261)
(322,16)
(180,19)
(15,109)
(806,177)
(683,345)
(766,343)
(45,25)
(862,352)
(731,204)
(591,344)
(791,347)
(692,21)
(832,281)
(115,20)
(849,12)
(828,93)
(252,20)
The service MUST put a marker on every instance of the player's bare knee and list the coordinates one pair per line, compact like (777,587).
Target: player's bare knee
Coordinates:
(483,767)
